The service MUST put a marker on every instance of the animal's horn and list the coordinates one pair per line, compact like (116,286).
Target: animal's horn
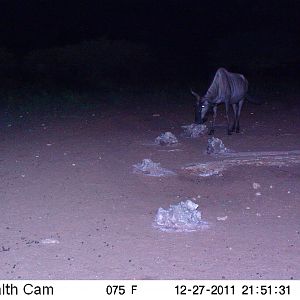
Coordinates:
(195,94)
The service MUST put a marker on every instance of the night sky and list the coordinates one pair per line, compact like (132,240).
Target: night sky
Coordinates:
(190,31)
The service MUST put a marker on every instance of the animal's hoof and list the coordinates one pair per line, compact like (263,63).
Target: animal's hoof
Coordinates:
(237,131)
(229,132)
(211,132)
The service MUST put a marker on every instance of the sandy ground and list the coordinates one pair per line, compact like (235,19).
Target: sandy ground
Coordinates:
(72,208)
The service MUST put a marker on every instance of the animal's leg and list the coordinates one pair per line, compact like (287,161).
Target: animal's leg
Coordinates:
(227,117)
(212,130)
(237,129)
(234,126)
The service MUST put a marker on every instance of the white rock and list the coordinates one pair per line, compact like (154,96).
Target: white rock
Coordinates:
(49,241)
(194,130)
(256,185)
(150,168)
(181,217)
(167,138)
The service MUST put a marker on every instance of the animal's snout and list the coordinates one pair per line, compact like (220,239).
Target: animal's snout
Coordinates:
(198,119)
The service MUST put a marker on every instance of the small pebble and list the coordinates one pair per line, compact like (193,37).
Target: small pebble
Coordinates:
(49,241)
(256,185)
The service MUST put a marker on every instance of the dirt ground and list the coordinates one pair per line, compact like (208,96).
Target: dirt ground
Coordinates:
(72,208)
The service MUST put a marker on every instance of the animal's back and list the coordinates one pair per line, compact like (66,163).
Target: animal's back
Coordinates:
(239,87)
(219,88)
(232,85)
(227,86)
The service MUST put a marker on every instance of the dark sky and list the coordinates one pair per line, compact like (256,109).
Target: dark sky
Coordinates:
(263,29)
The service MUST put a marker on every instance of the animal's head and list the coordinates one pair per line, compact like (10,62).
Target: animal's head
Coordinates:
(201,108)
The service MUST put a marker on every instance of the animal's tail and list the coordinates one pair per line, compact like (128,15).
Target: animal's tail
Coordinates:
(253,99)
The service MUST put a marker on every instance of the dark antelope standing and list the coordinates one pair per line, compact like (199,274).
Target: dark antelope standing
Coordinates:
(228,88)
